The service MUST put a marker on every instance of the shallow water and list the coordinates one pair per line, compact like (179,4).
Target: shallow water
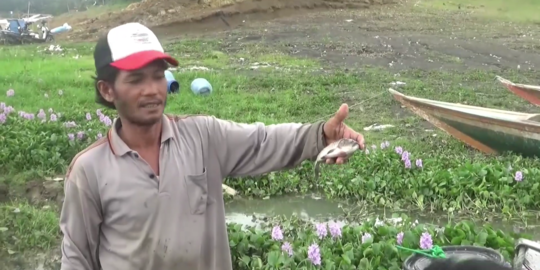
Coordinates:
(317,209)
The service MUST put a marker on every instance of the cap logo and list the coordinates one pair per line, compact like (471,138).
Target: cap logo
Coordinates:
(141,38)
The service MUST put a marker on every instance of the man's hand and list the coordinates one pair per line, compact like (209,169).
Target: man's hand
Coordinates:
(335,129)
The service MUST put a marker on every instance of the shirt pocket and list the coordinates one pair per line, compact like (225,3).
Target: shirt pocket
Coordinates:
(197,192)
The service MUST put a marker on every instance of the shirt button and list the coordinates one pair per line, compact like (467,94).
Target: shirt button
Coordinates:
(152,176)
(135,155)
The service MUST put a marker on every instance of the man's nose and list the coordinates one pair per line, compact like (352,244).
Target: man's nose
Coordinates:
(152,87)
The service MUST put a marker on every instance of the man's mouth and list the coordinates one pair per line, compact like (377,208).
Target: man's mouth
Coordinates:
(151,105)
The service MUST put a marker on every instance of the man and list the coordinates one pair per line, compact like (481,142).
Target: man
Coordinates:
(148,195)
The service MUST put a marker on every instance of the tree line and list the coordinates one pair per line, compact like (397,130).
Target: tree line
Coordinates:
(53,7)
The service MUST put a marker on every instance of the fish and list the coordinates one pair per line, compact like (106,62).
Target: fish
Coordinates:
(334,150)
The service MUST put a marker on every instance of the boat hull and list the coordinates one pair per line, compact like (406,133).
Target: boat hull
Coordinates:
(531,93)
(488,130)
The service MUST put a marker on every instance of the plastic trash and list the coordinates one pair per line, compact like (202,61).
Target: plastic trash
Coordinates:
(61,29)
(201,86)
(172,85)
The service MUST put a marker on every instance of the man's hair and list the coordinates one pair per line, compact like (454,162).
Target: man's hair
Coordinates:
(107,74)
(469,264)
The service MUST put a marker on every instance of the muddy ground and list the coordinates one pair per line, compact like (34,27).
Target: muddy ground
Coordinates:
(396,37)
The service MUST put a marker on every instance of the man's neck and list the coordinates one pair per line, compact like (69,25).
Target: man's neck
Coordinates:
(140,137)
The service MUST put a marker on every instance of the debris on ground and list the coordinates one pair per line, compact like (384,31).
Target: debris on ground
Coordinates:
(169,13)
(377,127)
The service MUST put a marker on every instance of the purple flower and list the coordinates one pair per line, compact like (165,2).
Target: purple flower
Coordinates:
(80,135)
(53,118)
(3,118)
(41,114)
(386,144)
(29,116)
(71,136)
(366,237)
(287,248)
(314,254)
(519,176)
(335,229)
(2,106)
(383,145)
(321,230)
(407,163)
(419,163)
(98,112)
(105,120)
(399,238)
(70,124)
(277,234)
(405,155)
(399,150)
(425,241)
(88,116)
(8,110)
(10,92)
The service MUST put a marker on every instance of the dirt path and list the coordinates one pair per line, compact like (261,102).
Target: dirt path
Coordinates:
(387,33)
(380,36)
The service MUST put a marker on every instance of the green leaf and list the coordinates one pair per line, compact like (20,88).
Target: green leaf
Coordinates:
(481,238)
(383,231)
(376,249)
(368,252)
(273,258)
(364,264)
(346,259)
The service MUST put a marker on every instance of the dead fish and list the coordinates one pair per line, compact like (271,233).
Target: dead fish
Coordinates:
(334,150)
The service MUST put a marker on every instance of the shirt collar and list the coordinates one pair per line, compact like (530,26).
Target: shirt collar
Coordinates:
(120,148)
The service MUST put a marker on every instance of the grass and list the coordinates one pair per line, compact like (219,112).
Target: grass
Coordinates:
(291,89)
(516,11)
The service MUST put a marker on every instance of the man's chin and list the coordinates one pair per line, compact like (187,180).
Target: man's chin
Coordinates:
(148,120)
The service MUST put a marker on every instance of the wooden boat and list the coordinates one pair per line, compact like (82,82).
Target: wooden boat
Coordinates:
(488,130)
(531,93)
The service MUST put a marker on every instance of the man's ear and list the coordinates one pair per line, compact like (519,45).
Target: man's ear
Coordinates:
(106,91)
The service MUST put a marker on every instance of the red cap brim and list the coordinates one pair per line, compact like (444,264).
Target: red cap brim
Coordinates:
(141,59)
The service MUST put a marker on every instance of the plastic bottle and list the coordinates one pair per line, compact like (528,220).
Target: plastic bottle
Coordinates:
(172,85)
(201,86)
(61,29)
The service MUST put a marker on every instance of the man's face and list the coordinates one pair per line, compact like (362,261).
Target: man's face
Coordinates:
(139,95)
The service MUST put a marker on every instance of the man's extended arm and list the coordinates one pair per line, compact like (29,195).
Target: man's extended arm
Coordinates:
(252,149)
(80,222)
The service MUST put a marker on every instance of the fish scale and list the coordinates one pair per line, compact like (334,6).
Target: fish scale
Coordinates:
(343,147)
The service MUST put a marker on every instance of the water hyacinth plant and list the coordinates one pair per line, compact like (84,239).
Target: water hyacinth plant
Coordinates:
(424,180)
(61,136)
(363,246)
